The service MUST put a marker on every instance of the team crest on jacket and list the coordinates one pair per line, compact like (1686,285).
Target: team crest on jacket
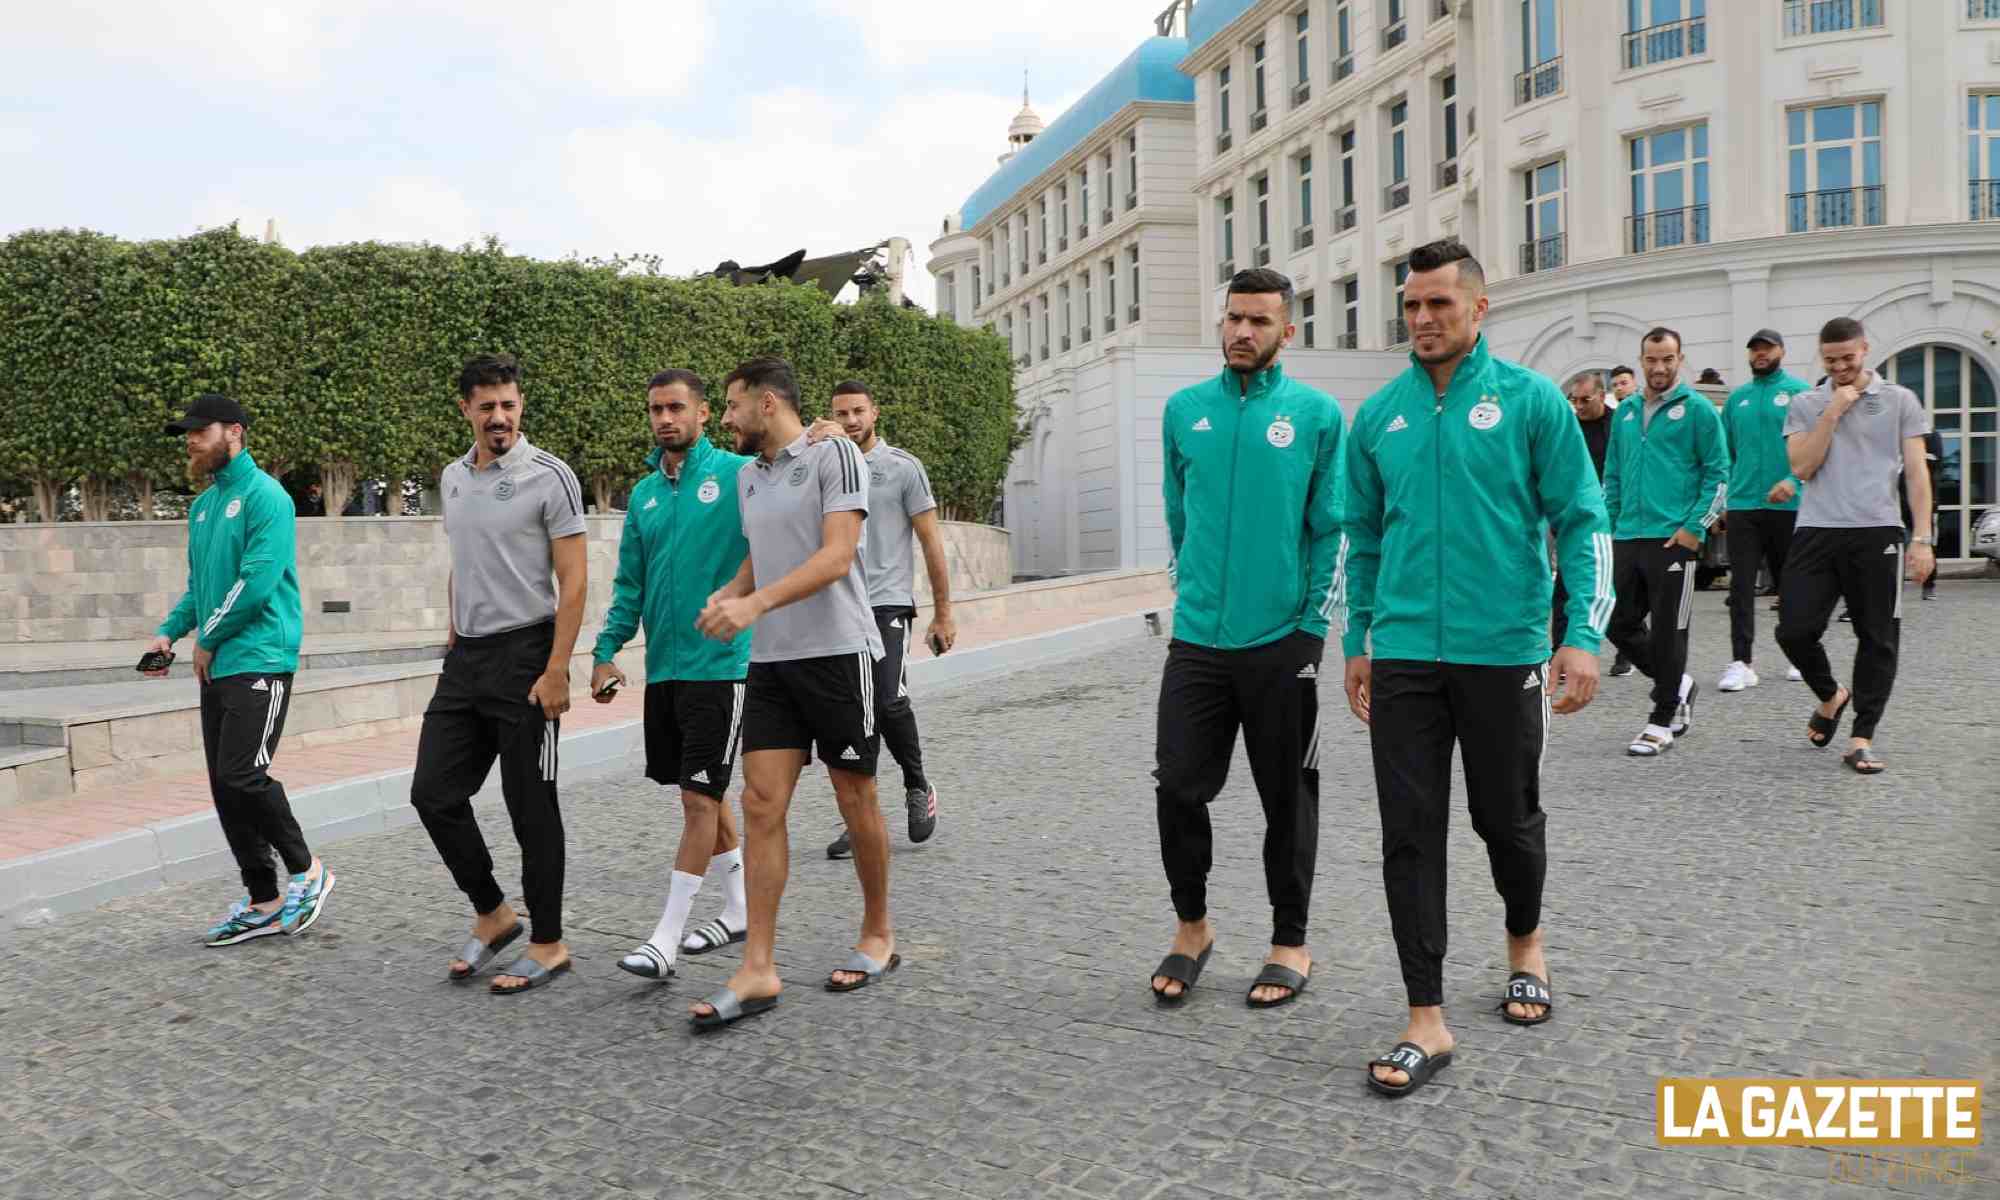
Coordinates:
(1677,412)
(1281,433)
(504,490)
(1485,414)
(798,475)
(708,491)
(235,506)
(1781,401)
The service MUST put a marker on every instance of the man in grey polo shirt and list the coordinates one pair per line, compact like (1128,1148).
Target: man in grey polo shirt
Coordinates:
(812,674)
(1849,437)
(903,512)
(514,517)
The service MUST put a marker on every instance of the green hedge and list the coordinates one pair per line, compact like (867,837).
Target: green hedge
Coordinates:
(346,357)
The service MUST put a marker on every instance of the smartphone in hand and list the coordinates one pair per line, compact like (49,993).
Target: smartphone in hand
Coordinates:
(936,644)
(155,660)
(609,690)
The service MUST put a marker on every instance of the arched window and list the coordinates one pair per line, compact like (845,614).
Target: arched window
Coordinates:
(1960,393)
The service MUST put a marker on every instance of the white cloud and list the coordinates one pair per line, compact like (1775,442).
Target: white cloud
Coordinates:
(908,31)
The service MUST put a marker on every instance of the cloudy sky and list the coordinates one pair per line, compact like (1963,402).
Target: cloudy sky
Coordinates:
(690,129)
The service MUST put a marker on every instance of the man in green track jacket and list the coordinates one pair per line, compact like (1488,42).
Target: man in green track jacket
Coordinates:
(1666,480)
(1453,471)
(1252,464)
(1763,494)
(683,540)
(243,597)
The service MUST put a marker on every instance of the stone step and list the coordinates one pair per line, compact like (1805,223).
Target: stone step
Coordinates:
(33,773)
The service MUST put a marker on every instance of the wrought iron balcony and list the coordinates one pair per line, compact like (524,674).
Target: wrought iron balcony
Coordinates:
(1665,228)
(1343,67)
(1538,82)
(1986,197)
(1665,42)
(1259,119)
(1395,35)
(1302,237)
(1804,18)
(1344,219)
(1349,340)
(1543,254)
(1222,144)
(1302,91)
(1447,173)
(1261,255)
(1397,332)
(1395,196)
(1132,313)
(1833,208)
(1225,270)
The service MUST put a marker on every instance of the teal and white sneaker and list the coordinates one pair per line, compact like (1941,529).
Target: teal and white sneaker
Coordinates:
(305,900)
(244,923)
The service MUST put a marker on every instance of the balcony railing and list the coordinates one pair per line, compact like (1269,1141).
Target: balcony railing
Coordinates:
(1542,254)
(1665,42)
(1082,232)
(1665,228)
(1259,119)
(1982,10)
(1440,9)
(1544,79)
(1302,91)
(1833,208)
(1397,332)
(1005,279)
(1342,68)
(1107,211)
(1065,342)
(1349,340)
(1344,219)
(1062,243)
(1302,237)
(1110,323)
(1024,360)
(1084,332)
(1394,35)
(1045,352)
(1261,255)
(1041,256)
(1804,18)
(1225,270)
(1131,201)
(1395,196)
(1132,314)
(1985,200)
(1222,144)
(1447,173)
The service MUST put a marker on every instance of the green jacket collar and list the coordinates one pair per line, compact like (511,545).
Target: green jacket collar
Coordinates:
(1472,366)
(697,455)
(1681,394)
(1262,383)
(237,470)
(1777,378)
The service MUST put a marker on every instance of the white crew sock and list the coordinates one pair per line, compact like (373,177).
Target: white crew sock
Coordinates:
(680,900)
(1687,683)
(735,911)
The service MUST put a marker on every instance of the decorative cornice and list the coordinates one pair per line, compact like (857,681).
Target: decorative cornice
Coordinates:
(1100,140)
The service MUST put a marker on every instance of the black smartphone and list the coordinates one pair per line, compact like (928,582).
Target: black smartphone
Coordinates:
(155,660)
(936,643)
(609,690)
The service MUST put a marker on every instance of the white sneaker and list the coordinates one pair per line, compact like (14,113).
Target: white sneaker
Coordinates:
(1735,677)
(1795,675)
(1652,742)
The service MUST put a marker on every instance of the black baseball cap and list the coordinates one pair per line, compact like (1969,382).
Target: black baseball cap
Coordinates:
(209,408)
(1766,335)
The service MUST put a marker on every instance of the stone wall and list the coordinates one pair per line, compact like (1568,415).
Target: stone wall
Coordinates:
(106,581)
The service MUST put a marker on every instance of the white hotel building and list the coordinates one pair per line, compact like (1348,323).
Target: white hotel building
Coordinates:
(1716,166)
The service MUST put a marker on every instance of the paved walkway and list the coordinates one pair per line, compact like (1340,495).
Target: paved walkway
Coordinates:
(1741,907)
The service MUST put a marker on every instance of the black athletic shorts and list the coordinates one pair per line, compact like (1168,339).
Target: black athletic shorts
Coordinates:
(692,728)
(824,704)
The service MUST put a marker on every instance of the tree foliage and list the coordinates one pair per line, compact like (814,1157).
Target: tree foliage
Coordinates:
(347,357)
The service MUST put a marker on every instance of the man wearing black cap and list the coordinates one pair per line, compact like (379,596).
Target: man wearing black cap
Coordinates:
(243,596)
(1763,494)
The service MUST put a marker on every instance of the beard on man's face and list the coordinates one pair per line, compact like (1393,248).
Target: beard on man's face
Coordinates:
(1264,359)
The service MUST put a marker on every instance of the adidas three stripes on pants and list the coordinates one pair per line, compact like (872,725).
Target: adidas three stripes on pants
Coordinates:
(1271,693)
(1657,580)
(479,713)
(242,718)
(1864,567)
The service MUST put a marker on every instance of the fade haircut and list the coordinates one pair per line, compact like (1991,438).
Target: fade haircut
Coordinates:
(1432,256)
(767,373)
(1261,281)
(1622,369)
(854,387)
(487,370)
(1841,329)
(681,375)
(1660,333)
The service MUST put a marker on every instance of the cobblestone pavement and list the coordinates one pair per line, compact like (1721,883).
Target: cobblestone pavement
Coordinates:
(1742,907)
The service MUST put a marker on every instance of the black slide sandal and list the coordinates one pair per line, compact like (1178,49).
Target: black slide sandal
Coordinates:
(1526,987)
(476,954)
(1277,975)
(1182,970)
(1821,730)
(1409,1058)
(1862,760)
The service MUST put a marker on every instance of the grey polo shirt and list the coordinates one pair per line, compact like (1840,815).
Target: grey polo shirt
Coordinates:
(500,521)
(1856,484)
(782,501)
(898,490)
